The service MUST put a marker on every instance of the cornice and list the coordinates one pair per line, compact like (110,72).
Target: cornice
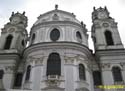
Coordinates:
(9,55)
(118,52)
(57,45)
(35,27)
(57,88)
(56,11)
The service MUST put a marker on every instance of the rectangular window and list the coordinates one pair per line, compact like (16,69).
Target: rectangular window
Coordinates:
(18,80)
(97,78)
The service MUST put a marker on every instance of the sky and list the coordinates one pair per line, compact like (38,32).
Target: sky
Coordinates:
(81,8)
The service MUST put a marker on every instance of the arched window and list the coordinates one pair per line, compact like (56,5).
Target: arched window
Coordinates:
(23,43)
(108,37)
(54,64)
(1,74)
(82,74)
(28,72)
(117,75)
(8,42)
(54,34)
(97,78)
(18,79)
(78,35)
(33,37)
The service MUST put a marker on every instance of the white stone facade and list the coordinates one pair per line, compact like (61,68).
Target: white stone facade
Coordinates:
(59,33)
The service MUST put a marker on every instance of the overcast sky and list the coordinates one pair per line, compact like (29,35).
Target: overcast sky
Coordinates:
(81,8)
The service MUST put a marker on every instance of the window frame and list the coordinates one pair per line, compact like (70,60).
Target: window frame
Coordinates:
(8,42)
(33,38)
(82,72)
(54,33)
(98,75)
(2,73)
(109,38)
(28,72)
(50,65)
(78,36)
(117,74)
(18,82)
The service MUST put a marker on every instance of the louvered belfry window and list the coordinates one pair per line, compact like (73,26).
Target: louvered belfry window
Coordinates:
(8,42)
(108,37)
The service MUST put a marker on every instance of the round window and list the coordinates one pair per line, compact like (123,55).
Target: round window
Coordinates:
(54,35)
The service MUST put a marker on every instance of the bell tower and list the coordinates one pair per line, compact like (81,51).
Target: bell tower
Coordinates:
(105,33)
(12,42)
(14,34)
(109,50)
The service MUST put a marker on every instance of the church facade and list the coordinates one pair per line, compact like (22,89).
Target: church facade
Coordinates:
(57,56)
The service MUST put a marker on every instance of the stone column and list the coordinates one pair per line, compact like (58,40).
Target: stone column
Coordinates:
(123,70)
(1,85)
(106,74)
(8,78)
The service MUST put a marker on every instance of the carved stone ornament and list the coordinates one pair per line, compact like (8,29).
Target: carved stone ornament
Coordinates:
(39,61)
(55,17)
(9,69)
(82,57)
(89,67)
(3,30)
(123,65)
(46,19)
(29,60)
(52,83)
(114,25)
(97,25)
(18,18)
(11,30)
(36,60)
(69,60)
(105,66)
(105,25)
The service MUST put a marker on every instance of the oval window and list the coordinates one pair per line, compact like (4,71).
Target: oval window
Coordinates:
(54,35)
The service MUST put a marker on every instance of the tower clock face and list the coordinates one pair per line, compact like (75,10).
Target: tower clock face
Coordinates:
(102,15)
(16,20)
(11,30)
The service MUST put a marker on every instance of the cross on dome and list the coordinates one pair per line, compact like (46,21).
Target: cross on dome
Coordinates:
(56,6)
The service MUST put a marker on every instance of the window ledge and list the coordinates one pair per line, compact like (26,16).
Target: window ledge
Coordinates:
(61,78)
(83,83)
(118,83)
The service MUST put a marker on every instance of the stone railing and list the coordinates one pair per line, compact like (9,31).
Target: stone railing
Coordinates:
(16,90)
